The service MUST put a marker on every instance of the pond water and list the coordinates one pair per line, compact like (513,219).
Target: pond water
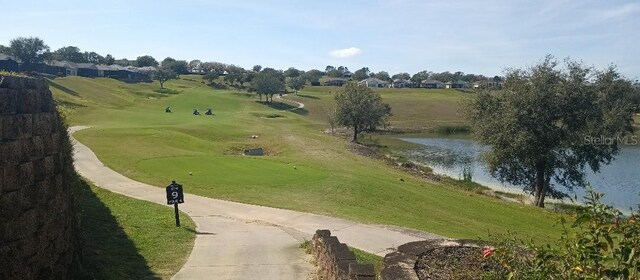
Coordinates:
(619,181)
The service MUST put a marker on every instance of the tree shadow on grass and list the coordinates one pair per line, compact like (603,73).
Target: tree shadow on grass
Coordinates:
(281,106)
(107,251)
(63,88)
(307,96)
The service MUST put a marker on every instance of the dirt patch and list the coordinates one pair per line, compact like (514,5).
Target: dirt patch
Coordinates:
(454,262)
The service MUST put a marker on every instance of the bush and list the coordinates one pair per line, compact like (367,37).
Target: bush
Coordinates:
(597,242)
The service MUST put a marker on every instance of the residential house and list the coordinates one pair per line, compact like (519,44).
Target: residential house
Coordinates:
(431,84)
(373,83)
(456,84)
(335,82)
(402,83)
(64,68)
(8,63)
(347,74)
(87,70)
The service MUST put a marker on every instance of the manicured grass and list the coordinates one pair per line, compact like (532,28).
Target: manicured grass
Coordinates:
(126,238)
(412,108)
(367,258)
(304,169)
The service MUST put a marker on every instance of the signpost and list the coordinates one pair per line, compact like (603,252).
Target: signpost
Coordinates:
(175,196)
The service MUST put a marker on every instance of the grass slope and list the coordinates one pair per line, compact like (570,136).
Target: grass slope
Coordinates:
(412,108)
(126,238)
(305,169)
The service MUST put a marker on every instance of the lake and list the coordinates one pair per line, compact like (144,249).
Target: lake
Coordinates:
(619,181)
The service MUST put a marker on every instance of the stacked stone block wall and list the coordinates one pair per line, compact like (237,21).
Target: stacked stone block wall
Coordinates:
(335,261)
(37,218)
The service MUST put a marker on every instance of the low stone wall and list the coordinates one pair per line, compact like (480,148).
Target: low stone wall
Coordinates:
(335,261)
(401,264)
(37,220)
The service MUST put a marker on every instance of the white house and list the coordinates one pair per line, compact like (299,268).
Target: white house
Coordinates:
(373,83)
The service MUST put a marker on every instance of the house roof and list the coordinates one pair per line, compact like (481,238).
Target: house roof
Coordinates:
(401,81)
(86,66)
(369,80)
(431,82)
(8,57)
(65,64)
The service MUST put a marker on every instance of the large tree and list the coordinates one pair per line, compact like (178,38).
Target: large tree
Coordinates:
(313,75)
(146,60)
(28,50)
(292,72)
(550,124)
(383,75)
(176,66)
(69,53)
(361,74)
(267,83)
(403,76)
(163,75)
(361,109)
(296,83)
(420,76)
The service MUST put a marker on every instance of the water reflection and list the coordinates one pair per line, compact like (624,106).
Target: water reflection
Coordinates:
(620,181)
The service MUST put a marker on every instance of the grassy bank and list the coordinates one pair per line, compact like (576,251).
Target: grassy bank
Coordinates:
(126,238)
(304,169)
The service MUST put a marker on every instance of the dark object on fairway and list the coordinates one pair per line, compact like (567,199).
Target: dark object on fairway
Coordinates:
(209,112)
(196,112)
(168,109)
(254,152)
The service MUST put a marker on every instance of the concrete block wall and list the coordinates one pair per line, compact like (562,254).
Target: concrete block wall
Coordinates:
(335,261)
(37,218)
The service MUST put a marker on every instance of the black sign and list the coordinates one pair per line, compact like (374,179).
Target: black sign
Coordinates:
(174,193)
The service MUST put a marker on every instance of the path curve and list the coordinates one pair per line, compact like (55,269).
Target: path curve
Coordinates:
(300,104)
(242,241)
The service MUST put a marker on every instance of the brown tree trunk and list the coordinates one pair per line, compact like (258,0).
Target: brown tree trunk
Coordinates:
(355,134)
(540,187)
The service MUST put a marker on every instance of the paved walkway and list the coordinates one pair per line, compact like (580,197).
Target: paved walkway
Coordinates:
(300,104)
(242,241)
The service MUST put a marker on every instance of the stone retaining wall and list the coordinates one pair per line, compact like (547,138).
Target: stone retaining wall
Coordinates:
(37,218)
(335,261)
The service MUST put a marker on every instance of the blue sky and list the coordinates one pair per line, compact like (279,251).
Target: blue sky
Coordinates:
(481,37)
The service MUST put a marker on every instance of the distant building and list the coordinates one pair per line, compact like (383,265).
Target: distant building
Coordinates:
(87,70)
(336,82)
(373,83)
(347,74)
(431,84)
(65,68)
(456,84)
(402,83)
(8,63)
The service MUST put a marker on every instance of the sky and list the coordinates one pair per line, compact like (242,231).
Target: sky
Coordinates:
(480,37)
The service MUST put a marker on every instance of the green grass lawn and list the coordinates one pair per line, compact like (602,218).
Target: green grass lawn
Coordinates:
(126,238)
(304,169)
(412,108)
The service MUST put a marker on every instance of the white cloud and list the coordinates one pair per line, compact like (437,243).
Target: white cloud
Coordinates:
(343,53)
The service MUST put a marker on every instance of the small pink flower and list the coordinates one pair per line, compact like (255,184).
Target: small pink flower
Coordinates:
(487,252)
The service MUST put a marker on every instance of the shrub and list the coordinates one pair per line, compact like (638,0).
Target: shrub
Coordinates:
(597,242)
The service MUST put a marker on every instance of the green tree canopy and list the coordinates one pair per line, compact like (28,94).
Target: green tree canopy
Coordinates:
(28,50)
(296,83)
(313,75)
(162,75)
(361,109)
(361,74)
(542,128)
(267,83)
(146,60)
(256,68)
(176,66)
(404,76)
(69,53)
(292,72)
(420,76)
(383,75)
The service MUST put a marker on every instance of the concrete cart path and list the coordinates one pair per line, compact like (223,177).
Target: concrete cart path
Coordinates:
(300,104)
(242,241)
